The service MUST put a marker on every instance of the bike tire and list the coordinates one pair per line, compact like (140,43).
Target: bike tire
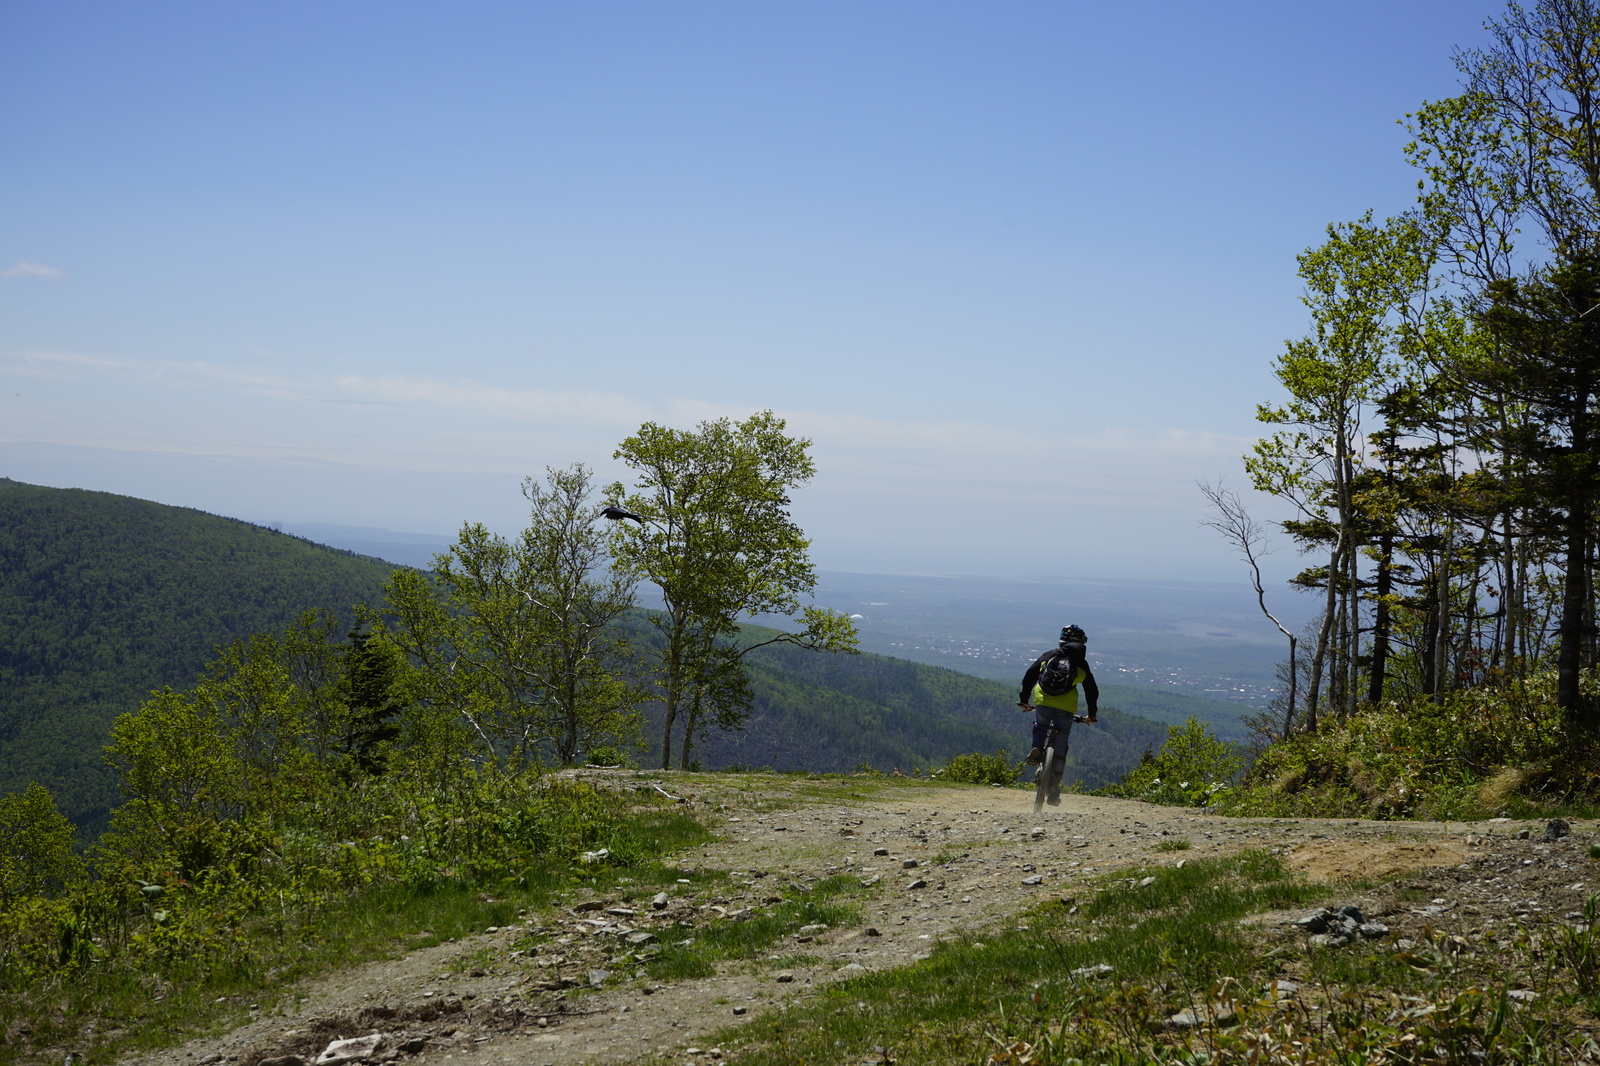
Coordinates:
(1042,778)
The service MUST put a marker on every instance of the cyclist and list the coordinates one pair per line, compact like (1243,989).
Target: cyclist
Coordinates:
(1060,671)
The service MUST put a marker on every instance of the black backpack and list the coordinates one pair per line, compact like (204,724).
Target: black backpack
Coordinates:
(1058,675)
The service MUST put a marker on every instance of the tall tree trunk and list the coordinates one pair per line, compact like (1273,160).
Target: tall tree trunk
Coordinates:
(1383,588)
(1319,657)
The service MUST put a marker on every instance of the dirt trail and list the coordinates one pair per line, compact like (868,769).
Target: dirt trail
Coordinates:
(979,854)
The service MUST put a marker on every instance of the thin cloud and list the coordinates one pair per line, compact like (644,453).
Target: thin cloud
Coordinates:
(580,407)
(26,269)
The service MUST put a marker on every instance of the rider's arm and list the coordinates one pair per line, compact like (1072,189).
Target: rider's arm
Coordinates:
(1029,679)
(1091,692)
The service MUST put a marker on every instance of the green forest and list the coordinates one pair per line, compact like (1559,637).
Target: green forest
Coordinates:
(104,598)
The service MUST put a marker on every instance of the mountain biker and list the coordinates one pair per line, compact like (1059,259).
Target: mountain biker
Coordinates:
(1061,708)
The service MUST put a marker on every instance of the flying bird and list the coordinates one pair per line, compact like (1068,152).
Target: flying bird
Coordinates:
(616,514)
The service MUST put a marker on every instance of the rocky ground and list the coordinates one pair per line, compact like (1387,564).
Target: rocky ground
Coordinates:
(567,988)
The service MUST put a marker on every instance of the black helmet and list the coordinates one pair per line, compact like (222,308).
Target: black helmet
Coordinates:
(1073,635)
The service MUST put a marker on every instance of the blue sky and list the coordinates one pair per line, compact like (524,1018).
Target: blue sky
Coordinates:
(1018,269)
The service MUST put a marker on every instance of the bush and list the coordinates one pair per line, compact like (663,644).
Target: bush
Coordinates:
(976,769)
(606,756)
(1192,769)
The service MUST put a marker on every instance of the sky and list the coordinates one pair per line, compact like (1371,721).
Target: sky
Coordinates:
(1018,270)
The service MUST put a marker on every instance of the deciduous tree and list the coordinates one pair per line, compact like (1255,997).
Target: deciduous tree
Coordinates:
(715,535)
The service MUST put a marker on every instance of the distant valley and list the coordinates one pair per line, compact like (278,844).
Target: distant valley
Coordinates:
(1206,642)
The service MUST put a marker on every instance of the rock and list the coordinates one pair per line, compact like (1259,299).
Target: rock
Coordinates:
(1147,882)
(1034,880)
(740,1010)
(785,977)
(598,977)
(1215,1014)
(880,851)
(1522,995)
(812,930)
(641,938)
(1098,970)
(590,905)
(415,1045)
(1037,833)
(278,1060)
(1556,828)
(1372,930)
(622,912)
(350,1050)
(1523,834)
(660,902)
(910,864)
(871,931)
(918,883)
(1327,940)
(868,882)
(1280,989)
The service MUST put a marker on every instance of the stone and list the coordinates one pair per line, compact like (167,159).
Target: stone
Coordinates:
(641,938)
(812,930)
(871,931)
(910,864)
(1097,970)
(785,977)
(880,851)
(1556,828)
(740,1010)
(918,883)
(1037,833)
(1280,989)
(660,902)
(1034,880)
(352,1050)
(590,905)
(279,1060)
(598,977)
(415,1045)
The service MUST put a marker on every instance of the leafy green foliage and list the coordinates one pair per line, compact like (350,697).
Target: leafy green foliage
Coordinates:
(514,642)
(36,857)
(978,769)
(1192,769)
(1475,753)
(714,533)
(105,598)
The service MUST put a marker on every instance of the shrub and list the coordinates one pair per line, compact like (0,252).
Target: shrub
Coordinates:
(606,756)
(1192,769)
(976,769)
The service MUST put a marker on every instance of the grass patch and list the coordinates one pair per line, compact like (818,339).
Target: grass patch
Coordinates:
(1034,992)
(690,953)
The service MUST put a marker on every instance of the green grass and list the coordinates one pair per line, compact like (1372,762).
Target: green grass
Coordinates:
(1174,943)
(691,953)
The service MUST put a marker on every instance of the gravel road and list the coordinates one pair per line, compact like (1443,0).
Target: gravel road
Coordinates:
(937,861)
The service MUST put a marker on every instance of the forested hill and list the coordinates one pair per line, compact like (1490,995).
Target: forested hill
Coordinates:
(104,598)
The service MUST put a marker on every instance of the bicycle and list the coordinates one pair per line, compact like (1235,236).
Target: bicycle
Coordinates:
(1047,775)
